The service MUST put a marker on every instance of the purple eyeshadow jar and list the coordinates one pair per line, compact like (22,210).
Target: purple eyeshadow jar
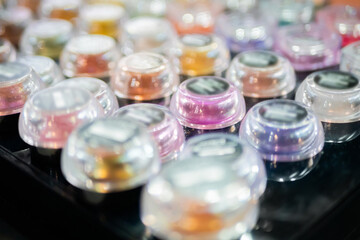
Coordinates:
(230,149)
(208,104)
(161,123)
(309,47)
(350,58)
(262,75)
(198,198)
(334,97)
(246,31)
(287,135)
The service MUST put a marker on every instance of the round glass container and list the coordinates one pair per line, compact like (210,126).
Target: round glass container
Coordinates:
(230,149)
(60,9)
(190,17)
(262,74)
(350,59)
(13,22)
(50,115)
(208,103)
(246,31)
(46,37)
(109,155)
(198,198)
(144,76)
(33,5)
(147,34)
(152,8)
(334,96)
(344,20)
(99,89)
(17,83)
(161,123)
(89,56)
(45,67)
(201,54)
(287,135)
(104,19)
(7,51)
(309,47)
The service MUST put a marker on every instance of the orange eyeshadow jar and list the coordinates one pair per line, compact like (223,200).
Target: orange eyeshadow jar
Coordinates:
(60,9)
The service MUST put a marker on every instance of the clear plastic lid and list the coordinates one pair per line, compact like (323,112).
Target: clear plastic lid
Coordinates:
(46,37)
(147,34)
(309,47)
(50,115)
(144,76)
(230,149)
(99,89)
(198,198)
(89,56)
(262,74)
(201,54)
(190,17)
(161,123)
(60,9)
(109,155)
(350,58)
(208,103)
(7,51)
(290,12)
(343,19)
(283,131)
(332,95)
(104,19)
(246,31)
(45,67)
(17,83)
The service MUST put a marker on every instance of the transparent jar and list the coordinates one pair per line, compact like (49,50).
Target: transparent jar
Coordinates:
(350,60)
(46,37)
(147,34)
(161,123)
(45,67)
(246,31)
(104,19)
(232,150)
(144,77)
(50,115)
(109,155)
(208,104)
(334,96)
(7,51)
(344,20)
(201,55)
(197,198)
(309,47)
(89,56)
(60,9)
(99,89)
(288,136)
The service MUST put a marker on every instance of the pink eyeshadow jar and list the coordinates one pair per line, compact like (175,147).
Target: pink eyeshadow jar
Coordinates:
(246,31)
(147,34)
(45,67)
(350,59)
(208,104)
(262,75)
(7,51)
(144,77)
(230,149)
(98,88)
(109,155)
(287,135)
(344,20)
(198,198)
(50,115)
(334,98)
(89,56)
(161,124)
(309,47)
